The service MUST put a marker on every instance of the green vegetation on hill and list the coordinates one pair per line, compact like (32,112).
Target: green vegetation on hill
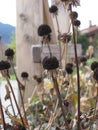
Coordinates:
(6,32)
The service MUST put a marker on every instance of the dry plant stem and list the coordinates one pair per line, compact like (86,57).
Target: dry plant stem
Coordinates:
(65,5)
(96,103)
(66,50)
(69,87)
(77,67)
(23,108)
(24,89)
(58,28)
(8,91)
(22,102)
(72,81)
(40,126)
(16,74)
(53,118)
(2,115)
(95,107)
(12,106)
(60,54)
(32,96)
(19,87)
(66,47)
(49,49)
(15,99)
(60,100)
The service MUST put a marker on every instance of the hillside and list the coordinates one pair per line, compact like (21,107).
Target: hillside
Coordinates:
(6,32)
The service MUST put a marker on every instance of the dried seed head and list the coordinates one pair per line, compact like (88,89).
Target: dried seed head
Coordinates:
(77,23)
(95,75)
(64,37)
(66,103)
(4,65)
(9,53)
(65,83)
(74,2)
(9,127)
(44,30)
(69,65)
(19,127)
(38,78)
(53,9)
(94,65)
(69,120)
(58,128)
(50,63)
(83,59)
(74,15)
(24,75)
(69,68)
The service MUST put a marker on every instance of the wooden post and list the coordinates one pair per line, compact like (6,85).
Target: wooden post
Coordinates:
(30,14)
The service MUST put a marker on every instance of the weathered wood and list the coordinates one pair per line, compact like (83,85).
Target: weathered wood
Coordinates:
(30,14)
(29,17)
(63,17)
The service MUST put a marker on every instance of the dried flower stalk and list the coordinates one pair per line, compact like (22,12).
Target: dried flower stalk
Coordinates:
(60,100)
(19,87)
(77,66)
(2,115)
(15,99)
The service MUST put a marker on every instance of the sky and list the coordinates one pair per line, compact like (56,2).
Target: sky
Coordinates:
(86,11)
(8,11)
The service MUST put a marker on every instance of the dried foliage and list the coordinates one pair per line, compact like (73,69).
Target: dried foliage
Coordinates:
(54,102)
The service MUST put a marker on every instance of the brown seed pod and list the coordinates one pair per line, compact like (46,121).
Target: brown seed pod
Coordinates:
(53,9)
(94,65)
(77,23)
(50,63)
(44,30)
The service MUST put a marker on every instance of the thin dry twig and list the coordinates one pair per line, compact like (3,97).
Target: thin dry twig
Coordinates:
(77,66)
